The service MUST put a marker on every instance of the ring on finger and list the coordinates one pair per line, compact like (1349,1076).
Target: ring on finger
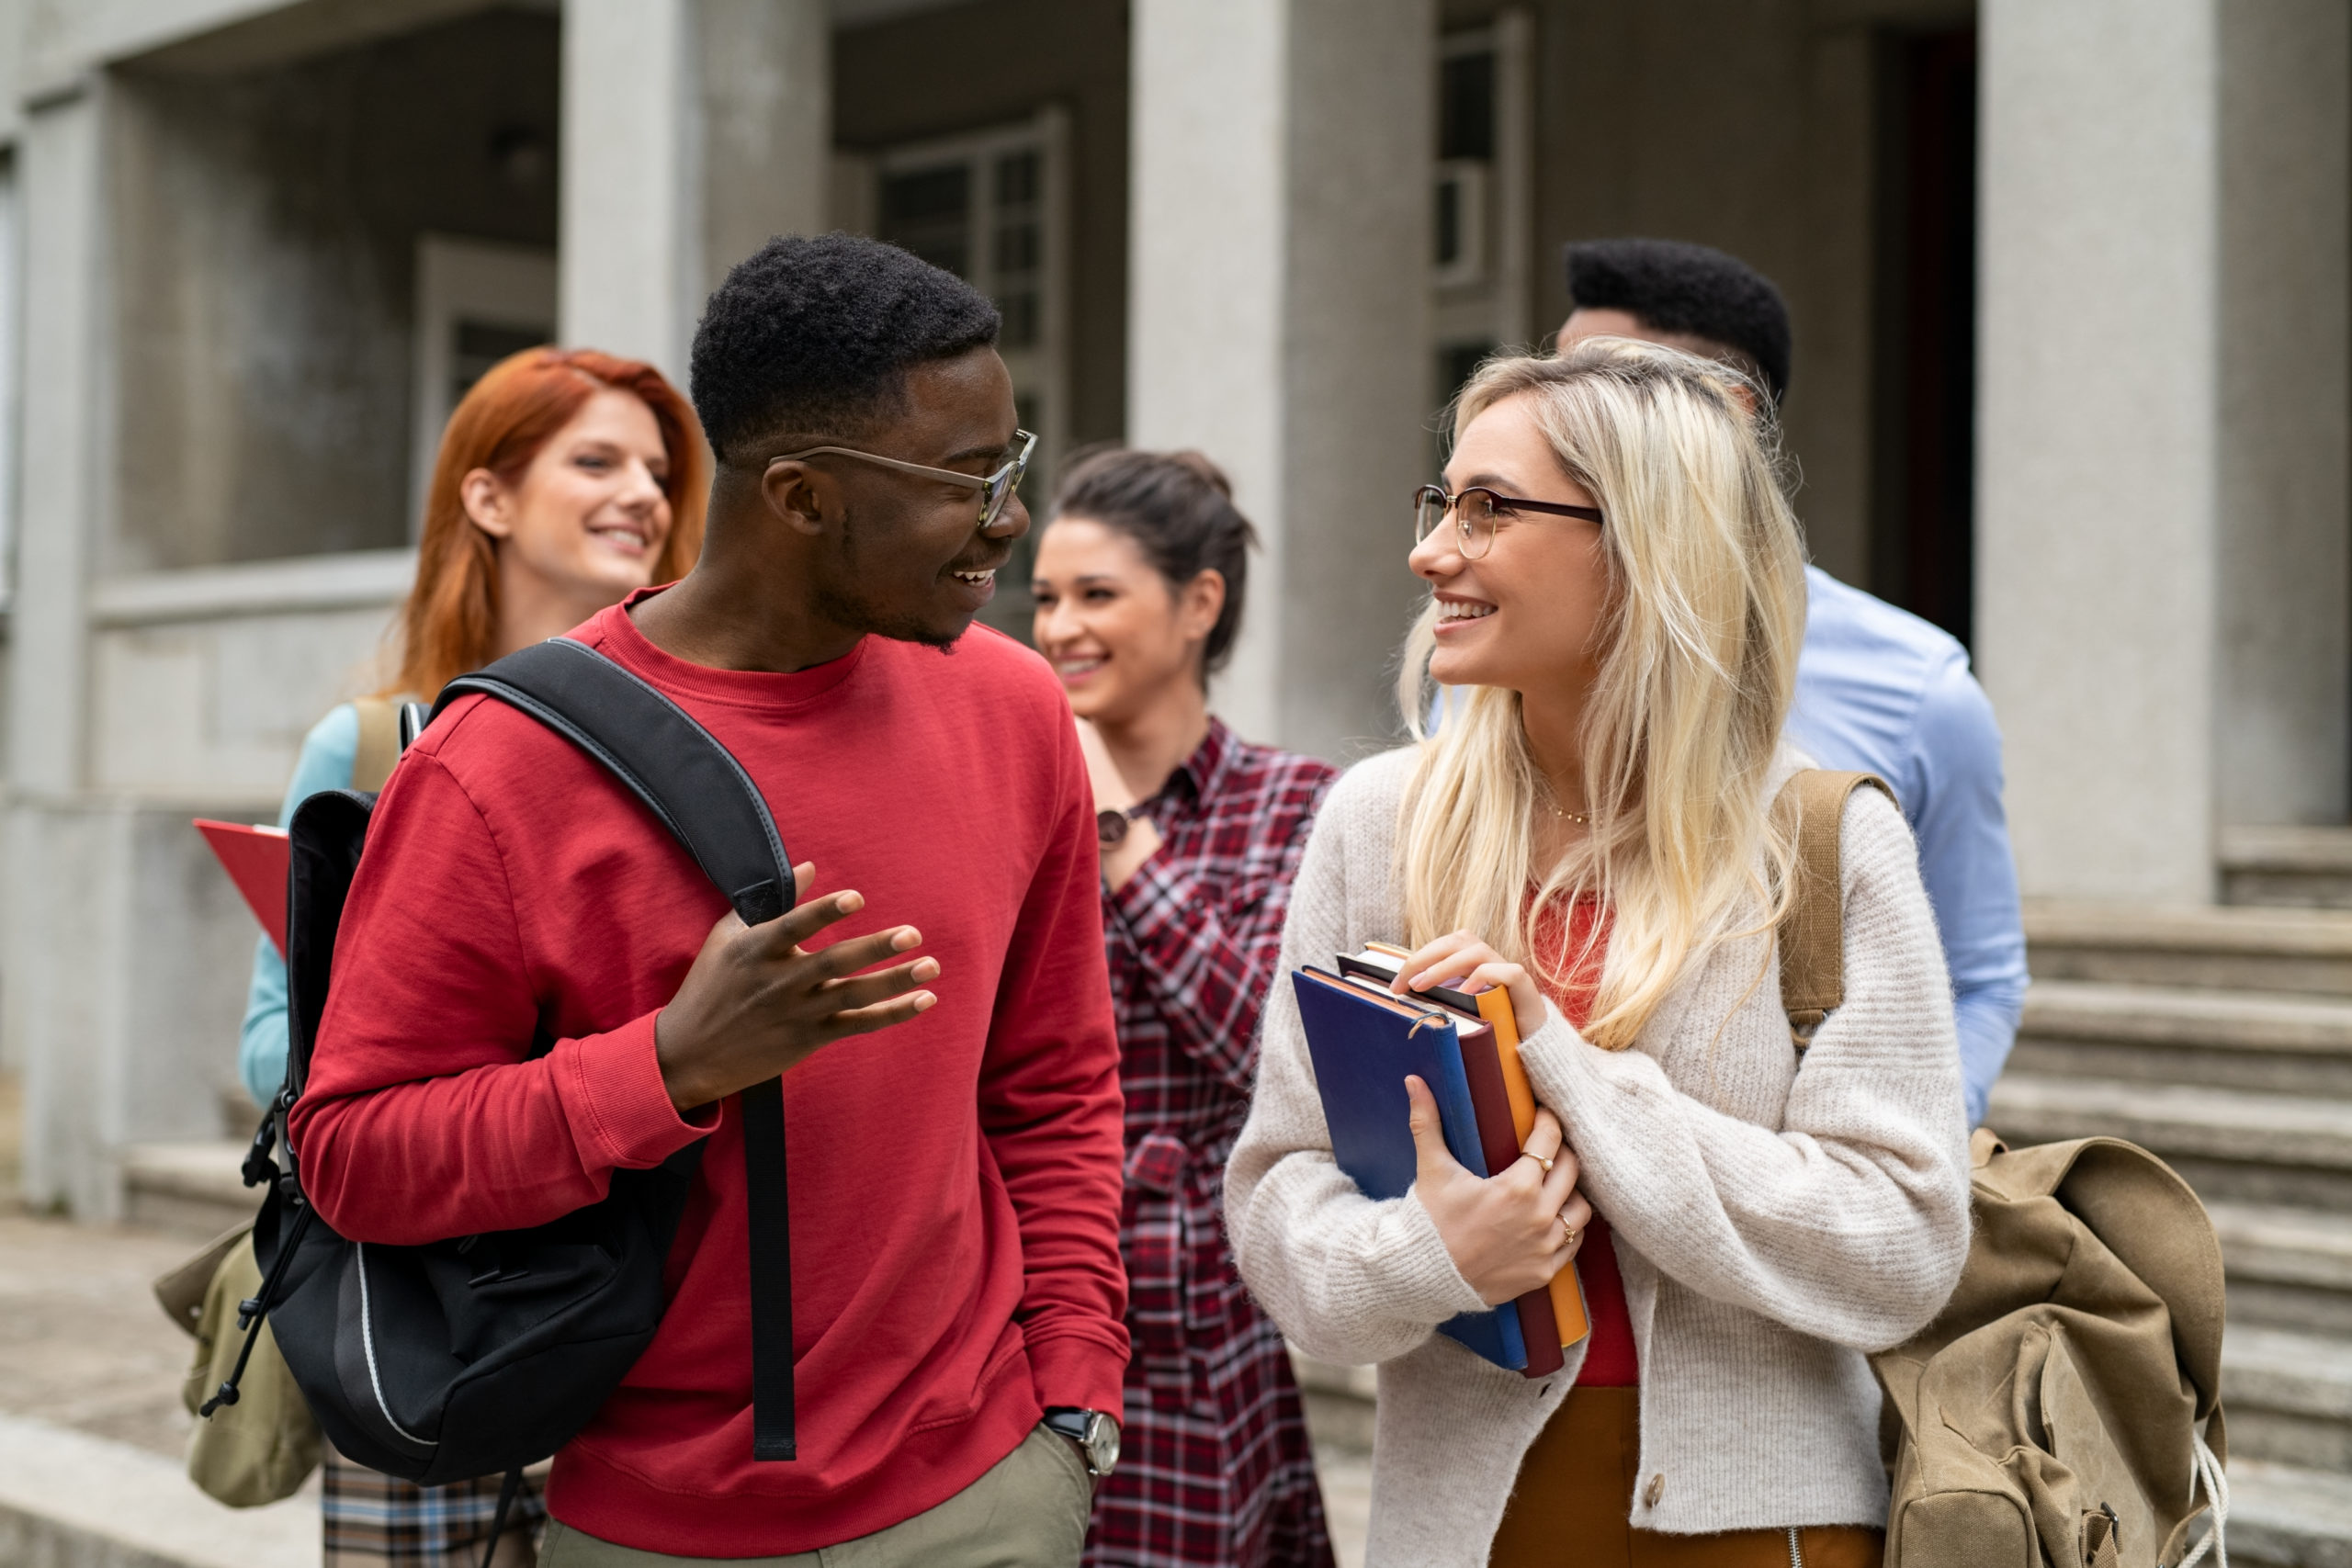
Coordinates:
(1539,1159)
(1567,1227)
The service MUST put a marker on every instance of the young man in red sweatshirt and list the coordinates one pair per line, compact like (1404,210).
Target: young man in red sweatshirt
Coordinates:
(936,1001)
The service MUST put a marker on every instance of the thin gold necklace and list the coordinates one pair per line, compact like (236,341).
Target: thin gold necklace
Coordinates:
(1581,819)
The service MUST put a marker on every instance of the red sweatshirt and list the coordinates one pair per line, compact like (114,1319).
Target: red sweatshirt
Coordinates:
(955,1180)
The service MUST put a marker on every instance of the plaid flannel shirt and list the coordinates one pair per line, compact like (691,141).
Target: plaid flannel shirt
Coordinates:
(1215,1467)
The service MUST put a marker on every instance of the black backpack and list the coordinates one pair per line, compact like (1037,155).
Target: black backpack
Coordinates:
(484,1354)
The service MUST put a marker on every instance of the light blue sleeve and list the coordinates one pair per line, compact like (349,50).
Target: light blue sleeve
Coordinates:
(1970,874)
(328,753)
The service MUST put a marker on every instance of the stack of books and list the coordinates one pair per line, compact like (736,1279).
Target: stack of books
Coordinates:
(1365,1040)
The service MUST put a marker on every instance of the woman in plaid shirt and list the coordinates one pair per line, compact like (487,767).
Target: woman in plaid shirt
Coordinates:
(1138,585)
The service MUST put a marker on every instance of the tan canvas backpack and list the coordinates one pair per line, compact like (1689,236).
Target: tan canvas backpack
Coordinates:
(2064,1410)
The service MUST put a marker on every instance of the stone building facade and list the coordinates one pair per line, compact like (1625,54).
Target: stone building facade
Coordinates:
(2070,280)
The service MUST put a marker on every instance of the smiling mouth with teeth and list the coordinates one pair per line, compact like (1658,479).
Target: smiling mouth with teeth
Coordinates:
(1461,609)
(976,579)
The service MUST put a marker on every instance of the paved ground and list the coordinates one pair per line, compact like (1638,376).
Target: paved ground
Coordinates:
(82,1342)
(1347,1499)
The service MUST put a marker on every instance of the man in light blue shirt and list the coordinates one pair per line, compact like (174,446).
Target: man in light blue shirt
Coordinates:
(1878,689)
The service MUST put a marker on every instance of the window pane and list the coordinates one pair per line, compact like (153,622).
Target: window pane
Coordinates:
(1465,107)
(1018,247)
(1016,179)
(1449,222)
(928,211)
(1020,312)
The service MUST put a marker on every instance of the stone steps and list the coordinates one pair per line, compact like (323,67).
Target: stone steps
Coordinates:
(2285,1516)
(2289,867)
(2288,1396)
(2259,1041)
(2230,1144)
(194,1189)
(2289,1268)
(2307,951)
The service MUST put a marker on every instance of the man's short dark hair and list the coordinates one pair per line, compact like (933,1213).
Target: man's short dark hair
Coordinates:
(815,335)
(1696,290)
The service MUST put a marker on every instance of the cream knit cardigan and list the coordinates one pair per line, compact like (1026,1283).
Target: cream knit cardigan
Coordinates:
(1771,1225)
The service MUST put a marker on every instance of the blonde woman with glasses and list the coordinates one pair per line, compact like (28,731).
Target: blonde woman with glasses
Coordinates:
(1617,601)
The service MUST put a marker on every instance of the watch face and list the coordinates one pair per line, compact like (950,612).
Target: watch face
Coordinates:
(1110,826)
(1102,1443)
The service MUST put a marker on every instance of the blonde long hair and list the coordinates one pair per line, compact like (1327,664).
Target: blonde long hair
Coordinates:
(1705,614)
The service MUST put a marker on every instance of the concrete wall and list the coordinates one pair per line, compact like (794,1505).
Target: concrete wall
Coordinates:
(127,957)
(203,684)
(217,238)
(267,223)
(126,951)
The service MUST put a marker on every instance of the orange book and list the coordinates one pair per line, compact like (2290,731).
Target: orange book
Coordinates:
(1494,1006)
(257,859)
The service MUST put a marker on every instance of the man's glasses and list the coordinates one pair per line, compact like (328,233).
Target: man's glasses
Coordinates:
(995,488)
(1475,513)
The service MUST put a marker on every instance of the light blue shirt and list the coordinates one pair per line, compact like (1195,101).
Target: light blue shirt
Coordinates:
(325,762)
(1882,691)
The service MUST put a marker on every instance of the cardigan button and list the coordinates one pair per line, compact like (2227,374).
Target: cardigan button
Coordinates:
(1653,1491)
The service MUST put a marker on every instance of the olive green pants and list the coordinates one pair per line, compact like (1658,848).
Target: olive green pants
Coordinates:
(1029,1511)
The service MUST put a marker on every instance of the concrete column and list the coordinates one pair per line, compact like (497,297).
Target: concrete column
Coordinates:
(2098,451)
(2285,514)
(1279,263)
(767,127)
(693,129)
(64,445)
(65,353)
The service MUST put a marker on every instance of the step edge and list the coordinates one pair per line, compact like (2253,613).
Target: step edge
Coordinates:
(145,1502)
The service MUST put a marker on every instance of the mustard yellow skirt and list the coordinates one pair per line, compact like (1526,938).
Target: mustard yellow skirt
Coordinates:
(1576,1486)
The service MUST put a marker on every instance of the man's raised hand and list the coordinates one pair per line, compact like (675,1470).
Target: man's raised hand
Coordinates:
(758,1002)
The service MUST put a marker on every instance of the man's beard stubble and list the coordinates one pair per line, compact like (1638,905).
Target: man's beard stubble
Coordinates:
(853,608)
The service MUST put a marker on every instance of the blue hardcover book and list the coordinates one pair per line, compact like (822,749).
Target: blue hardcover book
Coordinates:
(1363,1045)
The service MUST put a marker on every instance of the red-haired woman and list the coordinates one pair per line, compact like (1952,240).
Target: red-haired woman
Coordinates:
(567,480)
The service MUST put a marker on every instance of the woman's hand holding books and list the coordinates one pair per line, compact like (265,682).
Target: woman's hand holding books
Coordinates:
(1511,1232)
(1463,961)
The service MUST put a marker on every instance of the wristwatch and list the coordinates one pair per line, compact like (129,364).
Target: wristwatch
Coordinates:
(1096,1435)
(1110,826)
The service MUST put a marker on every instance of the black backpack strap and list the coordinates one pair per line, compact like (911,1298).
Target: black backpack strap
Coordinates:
(695,788)
(691,783)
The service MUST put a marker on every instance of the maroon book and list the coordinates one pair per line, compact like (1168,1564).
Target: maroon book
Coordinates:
(1498,1139)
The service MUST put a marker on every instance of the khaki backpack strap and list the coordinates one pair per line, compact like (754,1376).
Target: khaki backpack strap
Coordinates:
(1813,933)
(379,742)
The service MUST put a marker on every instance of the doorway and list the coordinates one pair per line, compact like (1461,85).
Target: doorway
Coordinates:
(1923,462)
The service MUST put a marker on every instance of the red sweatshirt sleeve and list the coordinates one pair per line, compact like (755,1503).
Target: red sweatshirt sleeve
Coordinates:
(425,1116)
(1050,1108)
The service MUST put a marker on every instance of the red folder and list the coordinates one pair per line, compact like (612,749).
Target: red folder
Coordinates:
(256,858)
